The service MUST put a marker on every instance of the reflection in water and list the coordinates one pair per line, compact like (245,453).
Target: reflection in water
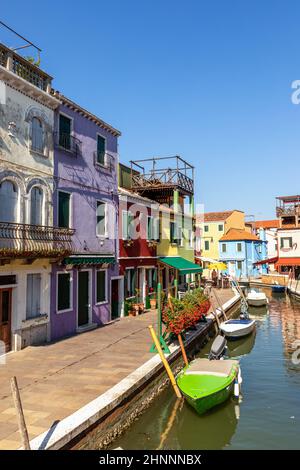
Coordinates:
(270,406)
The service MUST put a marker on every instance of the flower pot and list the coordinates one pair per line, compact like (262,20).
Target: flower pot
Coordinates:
(136,308)
(131,313)
(153,304)
(141,307)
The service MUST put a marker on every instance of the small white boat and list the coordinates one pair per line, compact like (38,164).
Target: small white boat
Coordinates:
(237,328)
(257,299)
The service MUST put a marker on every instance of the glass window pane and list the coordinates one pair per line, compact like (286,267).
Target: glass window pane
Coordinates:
(64,209)
(100,150)
(33,296)
(63,291)
(101,286)
(37,138)
(8,202)
(64,132)
(36,200)
(101,219)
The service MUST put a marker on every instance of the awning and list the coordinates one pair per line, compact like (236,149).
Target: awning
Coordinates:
(89,259)
(288,262)
(206,260)
(266,261)
(182,265)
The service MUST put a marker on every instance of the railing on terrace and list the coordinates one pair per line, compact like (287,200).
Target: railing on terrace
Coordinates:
(67,142)
(30,241)
(24,69)
(147,175)
(104,160)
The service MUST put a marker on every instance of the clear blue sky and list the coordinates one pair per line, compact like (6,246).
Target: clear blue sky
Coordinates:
(209,80)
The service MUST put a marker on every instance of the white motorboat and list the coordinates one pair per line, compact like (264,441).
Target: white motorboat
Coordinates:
(257,299)
(237,328)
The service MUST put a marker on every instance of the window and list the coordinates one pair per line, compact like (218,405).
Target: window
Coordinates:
(150,228)
(286,242)
(239,247)
(101,286)
(64,292)
(101,227)
(8,202)
(156,228)
(33,296)
(64,209)
(37,135)
(36,206)
(206,228)
(173,232)
(130,282)
(191,239)
(101,144)
(65,127)
(206,245)
(224,247)
(151,277)
(239,265)
(220,227)
(127,225)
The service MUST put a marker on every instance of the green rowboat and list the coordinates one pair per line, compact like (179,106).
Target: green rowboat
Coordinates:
(207,383)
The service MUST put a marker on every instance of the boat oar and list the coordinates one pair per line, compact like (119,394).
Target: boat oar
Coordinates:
(165,362)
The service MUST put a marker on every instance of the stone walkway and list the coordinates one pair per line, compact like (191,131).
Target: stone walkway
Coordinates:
(59,378)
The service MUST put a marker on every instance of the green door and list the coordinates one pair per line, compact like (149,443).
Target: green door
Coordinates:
(83,298)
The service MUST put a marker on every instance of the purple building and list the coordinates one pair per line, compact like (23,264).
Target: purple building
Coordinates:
(86,289)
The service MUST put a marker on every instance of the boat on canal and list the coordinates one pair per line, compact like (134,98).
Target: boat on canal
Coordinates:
(257,299)
(278,289)
(237,328)
(206,383)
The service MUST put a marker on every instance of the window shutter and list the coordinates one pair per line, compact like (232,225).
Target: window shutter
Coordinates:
(100,150)
(125,225)
(64,210)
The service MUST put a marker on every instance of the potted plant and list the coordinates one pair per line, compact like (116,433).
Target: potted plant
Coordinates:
(152,295)
(129,308)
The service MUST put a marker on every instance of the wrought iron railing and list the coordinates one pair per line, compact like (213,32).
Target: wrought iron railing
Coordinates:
(104,160)
(30,241)
(23,68)
(67,142)
(163,178)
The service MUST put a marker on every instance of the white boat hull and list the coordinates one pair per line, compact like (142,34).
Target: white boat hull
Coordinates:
(237,328)
(257,299)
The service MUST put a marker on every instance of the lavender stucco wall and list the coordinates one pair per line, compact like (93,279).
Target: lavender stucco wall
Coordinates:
(87,184)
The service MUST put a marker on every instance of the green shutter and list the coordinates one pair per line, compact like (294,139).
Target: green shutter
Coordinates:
(63,291)
(64,210)
(101,286)
(64,131)
(100,150)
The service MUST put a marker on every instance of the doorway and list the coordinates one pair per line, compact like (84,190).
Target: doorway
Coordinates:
(5,318)
(115,299)
(83,298)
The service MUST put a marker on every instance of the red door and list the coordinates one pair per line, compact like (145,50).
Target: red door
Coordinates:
(5,317)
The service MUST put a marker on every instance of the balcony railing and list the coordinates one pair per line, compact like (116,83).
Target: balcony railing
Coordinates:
(24,69)
(67,142)
(31,241)
(104,160)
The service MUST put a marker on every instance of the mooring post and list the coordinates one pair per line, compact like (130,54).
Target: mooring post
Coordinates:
(160,336)
(20,414)
(176,287)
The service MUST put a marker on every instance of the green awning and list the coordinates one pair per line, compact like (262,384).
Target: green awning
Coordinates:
(182,265)
(79,260)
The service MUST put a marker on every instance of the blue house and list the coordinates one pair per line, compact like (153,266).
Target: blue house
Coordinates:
(240,250)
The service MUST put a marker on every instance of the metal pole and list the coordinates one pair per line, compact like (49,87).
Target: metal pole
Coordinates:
(159,308)
(20,414)
(183,350)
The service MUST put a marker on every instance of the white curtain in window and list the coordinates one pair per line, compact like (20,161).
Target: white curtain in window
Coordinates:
(37,135)
(101,219)
(36,206)
(8,202)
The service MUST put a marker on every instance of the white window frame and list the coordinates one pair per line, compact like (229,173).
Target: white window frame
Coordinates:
(105,219)
(106,287)
(71,292)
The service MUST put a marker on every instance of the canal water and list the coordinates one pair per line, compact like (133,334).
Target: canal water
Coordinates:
(266,416)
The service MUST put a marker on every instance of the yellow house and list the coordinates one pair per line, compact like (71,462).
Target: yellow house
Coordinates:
(213,226)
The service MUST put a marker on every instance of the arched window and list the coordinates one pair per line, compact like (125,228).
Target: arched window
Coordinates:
(36,206)
(37,135)
(8,202)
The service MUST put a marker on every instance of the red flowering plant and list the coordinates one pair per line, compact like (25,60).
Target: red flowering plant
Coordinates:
(179,315)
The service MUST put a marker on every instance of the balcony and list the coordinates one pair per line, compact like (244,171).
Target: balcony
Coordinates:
(68,143)
(104,160)
(33,241)
(26,76)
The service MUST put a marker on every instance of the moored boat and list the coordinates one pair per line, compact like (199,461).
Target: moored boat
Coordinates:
(257,299)
(207,383)
(277,289)
(237,328)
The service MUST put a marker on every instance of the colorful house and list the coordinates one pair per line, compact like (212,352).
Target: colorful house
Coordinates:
(87,289)
(241,250)
(268,230)
(214,225)
(29,240)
